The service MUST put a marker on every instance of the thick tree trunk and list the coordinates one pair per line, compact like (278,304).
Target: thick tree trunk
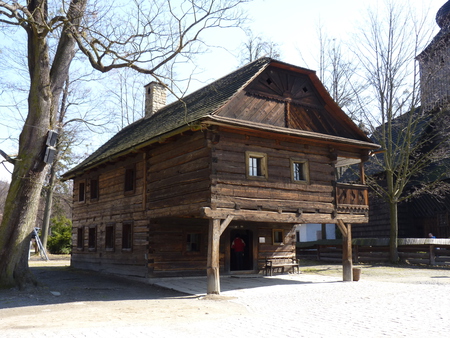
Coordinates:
(18,222)
(29,169)
(46,82)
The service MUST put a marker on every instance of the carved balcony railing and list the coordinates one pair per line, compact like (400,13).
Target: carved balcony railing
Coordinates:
(351,197)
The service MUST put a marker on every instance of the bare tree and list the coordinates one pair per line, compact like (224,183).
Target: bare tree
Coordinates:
(386,50)
(256,47)
(146,36)
(339,73)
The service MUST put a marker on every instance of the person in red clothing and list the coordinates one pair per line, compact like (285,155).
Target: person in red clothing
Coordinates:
(238,246)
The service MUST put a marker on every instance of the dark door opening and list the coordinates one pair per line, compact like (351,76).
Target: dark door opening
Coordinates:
(243,260)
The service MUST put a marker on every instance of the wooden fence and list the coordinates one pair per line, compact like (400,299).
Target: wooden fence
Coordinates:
(376,250)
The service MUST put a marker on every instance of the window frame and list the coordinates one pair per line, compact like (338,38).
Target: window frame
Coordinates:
(111,226)
(263,165)
(305,167)
(274,236)
(92,242)
(129,184)
(198,234)
(95,189)
(80,238)
(81,191)
(128,248)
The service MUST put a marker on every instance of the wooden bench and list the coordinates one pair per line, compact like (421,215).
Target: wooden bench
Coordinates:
(276,263)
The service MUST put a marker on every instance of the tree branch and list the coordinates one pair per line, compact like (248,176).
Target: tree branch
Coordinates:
(7,157)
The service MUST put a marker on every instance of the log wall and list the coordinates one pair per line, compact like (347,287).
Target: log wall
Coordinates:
(232,189)
(178,180)
(168,254)
(113,207)
(269,249)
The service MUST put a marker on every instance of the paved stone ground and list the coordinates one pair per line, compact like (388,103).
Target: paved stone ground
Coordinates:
(306,305)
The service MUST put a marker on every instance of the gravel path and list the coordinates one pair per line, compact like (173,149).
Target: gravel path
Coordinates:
(386,302)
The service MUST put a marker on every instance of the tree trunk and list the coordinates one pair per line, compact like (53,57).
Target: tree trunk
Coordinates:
(29,169)
(393,238)
(46,82)
(52,176)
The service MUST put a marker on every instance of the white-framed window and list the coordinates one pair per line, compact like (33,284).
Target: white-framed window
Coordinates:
(256,165)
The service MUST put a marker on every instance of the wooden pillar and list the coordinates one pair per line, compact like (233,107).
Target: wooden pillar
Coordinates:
(324,231)
(432,254)
(213,277)
(216,228)
(363,182)
(347,264)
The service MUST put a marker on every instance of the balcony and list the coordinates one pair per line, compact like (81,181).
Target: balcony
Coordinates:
(351,198)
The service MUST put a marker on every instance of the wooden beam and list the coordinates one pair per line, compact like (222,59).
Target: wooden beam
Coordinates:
(342,227)
(275,216)
(267,216)
(225,223)
(213,277)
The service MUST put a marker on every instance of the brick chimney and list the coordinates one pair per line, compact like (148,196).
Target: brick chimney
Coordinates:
(155,98)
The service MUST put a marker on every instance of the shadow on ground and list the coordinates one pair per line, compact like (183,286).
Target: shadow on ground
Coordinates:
(64,284)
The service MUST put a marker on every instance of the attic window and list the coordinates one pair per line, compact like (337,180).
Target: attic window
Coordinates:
(269,81)
(305,90)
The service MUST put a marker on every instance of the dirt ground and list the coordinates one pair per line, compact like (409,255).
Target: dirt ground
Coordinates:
(67,297)
(73,296)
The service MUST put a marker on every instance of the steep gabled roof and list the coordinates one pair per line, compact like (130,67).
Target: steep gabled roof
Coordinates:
(207,103)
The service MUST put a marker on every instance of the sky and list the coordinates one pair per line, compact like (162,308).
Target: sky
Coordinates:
(292,24)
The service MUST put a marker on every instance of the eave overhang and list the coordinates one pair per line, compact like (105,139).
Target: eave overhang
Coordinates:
(136,148)
(304,134)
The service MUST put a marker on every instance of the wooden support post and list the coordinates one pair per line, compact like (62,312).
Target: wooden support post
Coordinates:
(213,277)
(347,265)
(432,254)
(324,231)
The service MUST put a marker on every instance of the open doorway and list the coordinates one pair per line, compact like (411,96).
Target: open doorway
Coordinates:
(241,260)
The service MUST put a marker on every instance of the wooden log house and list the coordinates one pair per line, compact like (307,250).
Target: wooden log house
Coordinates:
(252,154)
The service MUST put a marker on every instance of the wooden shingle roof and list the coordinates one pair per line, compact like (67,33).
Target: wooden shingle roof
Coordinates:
(191,108)
(205,104)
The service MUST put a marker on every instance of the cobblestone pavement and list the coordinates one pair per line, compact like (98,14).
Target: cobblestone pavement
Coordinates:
(283,306)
